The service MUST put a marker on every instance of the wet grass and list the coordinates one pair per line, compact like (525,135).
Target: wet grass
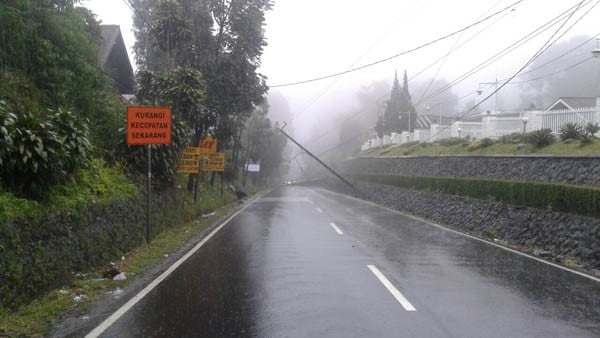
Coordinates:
(436,149)
(38,317)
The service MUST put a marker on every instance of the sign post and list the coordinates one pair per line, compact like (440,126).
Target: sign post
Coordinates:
(215,162)
(148,126)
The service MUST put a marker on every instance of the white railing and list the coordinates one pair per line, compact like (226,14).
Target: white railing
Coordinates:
(493,126)
(555,119)
(466,129)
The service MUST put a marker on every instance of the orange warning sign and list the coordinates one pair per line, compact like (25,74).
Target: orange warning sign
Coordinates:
(148,125)
(208,145)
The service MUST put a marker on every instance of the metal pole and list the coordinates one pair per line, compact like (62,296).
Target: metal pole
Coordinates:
(317,159)
(148,188)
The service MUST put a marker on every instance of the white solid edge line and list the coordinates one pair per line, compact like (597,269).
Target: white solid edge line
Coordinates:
(392,289)
(320,210)
(596,279)
(335,227)
(127,306)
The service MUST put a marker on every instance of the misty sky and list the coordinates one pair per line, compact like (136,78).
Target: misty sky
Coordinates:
(311,38)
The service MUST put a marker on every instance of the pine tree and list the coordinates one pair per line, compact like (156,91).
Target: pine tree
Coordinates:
(407,108)
(399,108)
(391,117)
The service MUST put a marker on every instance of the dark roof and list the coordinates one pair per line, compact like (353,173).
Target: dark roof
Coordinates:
(572,103)
(114,60)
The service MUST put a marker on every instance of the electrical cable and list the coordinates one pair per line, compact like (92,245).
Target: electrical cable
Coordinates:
(526,38)
(454,47)
(540,51)
(351,70)
(497,56)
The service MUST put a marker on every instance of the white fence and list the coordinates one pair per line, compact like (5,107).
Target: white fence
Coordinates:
(493,126)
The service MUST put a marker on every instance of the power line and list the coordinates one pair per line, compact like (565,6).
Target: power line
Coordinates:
(351,70)
(540,51)
(556,72)
(529,36)
(497,56)
(455,47)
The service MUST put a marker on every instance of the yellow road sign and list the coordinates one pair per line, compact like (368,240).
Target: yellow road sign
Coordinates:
(214,162)
(189,161)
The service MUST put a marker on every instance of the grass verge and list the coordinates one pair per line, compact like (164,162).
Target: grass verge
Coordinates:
(37,318)
(437,149)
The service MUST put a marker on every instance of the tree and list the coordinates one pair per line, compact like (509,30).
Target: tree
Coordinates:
(264,145)
(391,116)
(48,56)
(399,109)
(223,40)
(407,108)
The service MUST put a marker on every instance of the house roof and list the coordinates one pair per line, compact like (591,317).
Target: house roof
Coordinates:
(572,103)
(114,60)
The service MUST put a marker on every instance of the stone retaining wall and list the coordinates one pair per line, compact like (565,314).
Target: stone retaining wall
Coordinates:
(570,170)
(556,236)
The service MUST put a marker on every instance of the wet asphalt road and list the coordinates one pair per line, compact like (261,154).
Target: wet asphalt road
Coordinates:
(281,269)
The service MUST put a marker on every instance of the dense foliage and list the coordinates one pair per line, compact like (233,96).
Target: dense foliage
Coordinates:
(540,138)
(51,91)
(223,40)
(577,200)
(164,157)
(39,152)
(571,131)
(265,146)
(48,57)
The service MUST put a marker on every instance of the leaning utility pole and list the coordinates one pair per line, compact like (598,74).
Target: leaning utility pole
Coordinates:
(316,158)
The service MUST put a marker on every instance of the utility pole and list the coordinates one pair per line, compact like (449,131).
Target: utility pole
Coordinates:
(316,158)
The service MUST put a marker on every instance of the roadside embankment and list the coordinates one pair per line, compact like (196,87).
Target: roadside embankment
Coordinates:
(563,238)
(545,206)
(44,251)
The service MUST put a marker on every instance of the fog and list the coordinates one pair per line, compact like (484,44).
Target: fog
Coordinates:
(312,38)
(315,38)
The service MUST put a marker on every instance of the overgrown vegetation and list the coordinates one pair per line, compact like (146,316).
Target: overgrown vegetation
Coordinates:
(40,151)
(37,317)
(571,131)
(584,201)
(65,202)
(540,138)
(96,184)
(537,142)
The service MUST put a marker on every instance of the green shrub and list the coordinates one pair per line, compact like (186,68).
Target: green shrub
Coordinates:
(540,138)
(589,134)
(96,184)
(584,201)
(40,151)
(586,139)
(474,145)
(571,131)
(451,141)
(592,128)
(486,142)
(483,143)
(512,138)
